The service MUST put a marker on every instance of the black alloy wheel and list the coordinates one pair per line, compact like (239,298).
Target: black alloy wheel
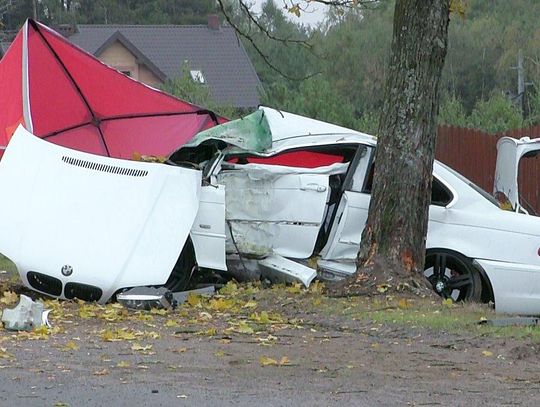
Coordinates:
(453,275)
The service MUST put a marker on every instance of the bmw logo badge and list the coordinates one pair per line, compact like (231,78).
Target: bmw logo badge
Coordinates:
(67,270)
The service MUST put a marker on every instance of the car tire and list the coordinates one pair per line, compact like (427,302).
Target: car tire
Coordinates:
(183,270)
(452,275)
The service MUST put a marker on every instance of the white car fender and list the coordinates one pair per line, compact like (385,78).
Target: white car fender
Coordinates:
(516,287)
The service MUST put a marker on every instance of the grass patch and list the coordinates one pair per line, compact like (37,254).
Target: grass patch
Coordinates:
(436,315)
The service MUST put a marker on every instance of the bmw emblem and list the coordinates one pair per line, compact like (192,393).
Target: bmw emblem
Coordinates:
(67,270)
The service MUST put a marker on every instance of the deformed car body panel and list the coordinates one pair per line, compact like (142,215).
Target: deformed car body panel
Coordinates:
(208,231)
(92,220)
(259,211)
(279,269)
(509,153)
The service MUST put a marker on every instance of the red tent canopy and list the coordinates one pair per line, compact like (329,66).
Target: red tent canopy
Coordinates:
(66,96)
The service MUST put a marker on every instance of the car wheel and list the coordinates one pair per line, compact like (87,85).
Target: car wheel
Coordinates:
(183,270)
(453,275)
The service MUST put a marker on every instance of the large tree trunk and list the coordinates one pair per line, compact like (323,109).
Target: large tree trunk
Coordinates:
(393,241)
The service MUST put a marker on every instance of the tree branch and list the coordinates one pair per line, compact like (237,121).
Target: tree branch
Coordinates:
(267,32)
(289,5)
(248,37)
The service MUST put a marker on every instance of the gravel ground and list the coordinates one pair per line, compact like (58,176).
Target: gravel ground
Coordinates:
(261,347)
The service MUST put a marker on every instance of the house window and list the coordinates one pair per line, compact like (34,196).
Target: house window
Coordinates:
(197,76)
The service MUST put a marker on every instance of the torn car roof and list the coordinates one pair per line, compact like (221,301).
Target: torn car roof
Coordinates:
(267,130)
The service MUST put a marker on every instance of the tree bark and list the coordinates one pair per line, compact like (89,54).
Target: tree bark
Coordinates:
(393,241)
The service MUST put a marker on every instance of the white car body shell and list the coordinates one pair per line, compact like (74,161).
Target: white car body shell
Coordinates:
(117,231)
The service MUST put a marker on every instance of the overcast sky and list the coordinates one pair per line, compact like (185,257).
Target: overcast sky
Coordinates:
(313,15)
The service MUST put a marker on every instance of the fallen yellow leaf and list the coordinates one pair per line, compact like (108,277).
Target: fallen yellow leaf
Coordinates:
(403,304)
(250,304)
(9,298)
(266,361)
(448,302)
(295,288)
(208,332)
(230,288)
(244,328)
(118,335)
(284,361)
(71,345)
(316,287)
(159,311)
(193,300)
(139,347)
(221,304)
(4,354)
(171,323)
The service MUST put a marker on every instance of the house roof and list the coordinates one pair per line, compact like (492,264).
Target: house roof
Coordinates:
(218,53)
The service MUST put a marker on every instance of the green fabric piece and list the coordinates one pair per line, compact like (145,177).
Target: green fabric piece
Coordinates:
(250,133)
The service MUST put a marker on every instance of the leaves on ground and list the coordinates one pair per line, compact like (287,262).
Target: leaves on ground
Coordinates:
(70,346)
(139,347)
(266,361)
(122,334)
(4,354)
(9,298)
(242,327)
(382,288)
(448,302)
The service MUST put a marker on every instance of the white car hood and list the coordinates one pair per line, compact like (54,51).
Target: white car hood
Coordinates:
(509,152)
(114,223)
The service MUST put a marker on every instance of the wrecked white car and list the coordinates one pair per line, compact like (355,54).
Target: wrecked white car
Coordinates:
(274,194)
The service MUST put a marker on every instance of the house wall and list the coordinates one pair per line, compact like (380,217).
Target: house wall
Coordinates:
(119,57)
(146,76)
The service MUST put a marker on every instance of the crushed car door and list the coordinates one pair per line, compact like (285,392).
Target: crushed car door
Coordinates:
(344,239)
(275,208)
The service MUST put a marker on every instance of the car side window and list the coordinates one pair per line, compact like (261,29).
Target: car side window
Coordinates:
(362,163)
(440,194)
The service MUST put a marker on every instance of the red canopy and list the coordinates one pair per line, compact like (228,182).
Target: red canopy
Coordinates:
(66,96)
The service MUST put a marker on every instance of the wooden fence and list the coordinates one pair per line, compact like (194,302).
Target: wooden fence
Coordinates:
(473,153)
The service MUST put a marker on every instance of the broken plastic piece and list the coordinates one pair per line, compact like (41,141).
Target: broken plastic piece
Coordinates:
(146,298)
(27,315)
(280,269)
